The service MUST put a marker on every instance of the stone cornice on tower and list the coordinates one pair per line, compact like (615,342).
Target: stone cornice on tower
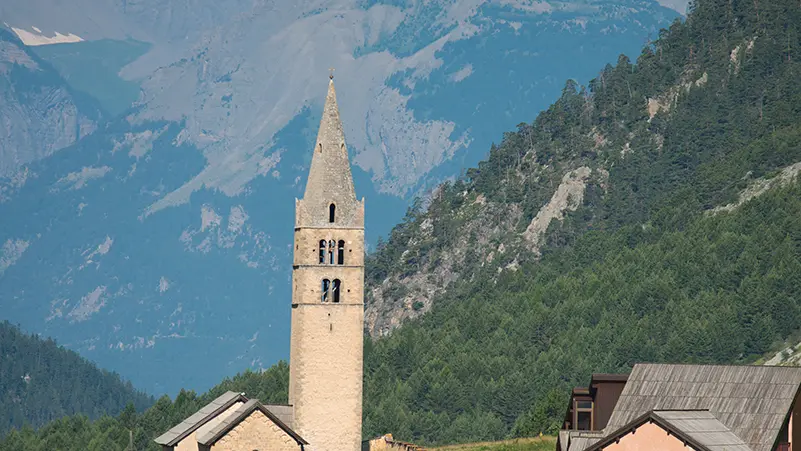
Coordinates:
(330,180)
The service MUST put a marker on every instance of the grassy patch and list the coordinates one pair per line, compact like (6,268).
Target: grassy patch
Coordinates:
(518,444)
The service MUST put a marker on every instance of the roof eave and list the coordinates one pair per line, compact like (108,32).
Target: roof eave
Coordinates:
(205,420)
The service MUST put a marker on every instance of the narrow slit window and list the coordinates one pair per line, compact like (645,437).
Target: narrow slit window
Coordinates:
(332,211)
(322,251)
(341,252)
(326,286)
(335,289)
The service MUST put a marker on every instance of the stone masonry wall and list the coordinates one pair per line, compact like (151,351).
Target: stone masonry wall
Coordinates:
(256,433)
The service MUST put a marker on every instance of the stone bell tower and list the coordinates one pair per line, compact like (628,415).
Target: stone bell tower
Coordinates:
(326,349)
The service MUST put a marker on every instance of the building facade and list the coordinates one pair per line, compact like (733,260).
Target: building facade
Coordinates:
(696,407)
(326,348)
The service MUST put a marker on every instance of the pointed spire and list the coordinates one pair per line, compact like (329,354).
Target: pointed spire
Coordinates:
(330,179)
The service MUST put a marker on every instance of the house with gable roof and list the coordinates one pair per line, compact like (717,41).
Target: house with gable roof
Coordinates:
(680,407)
(234,422)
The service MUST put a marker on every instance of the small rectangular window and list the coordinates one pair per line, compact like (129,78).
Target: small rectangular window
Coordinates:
(584,421)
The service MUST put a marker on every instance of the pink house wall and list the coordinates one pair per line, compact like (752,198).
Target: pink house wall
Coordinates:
(794,430)
(648,437)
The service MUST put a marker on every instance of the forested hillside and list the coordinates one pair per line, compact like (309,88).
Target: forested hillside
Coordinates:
(41,381)
(651,216)
(77,433)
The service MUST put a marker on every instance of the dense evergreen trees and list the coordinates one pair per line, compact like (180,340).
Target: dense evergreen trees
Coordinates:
(644,270)
(41,381)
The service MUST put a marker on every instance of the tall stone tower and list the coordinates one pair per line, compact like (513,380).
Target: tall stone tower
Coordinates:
(326,349)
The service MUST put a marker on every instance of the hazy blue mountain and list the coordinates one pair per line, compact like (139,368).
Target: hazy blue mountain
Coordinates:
(159,246)
(92,68)
(39,112)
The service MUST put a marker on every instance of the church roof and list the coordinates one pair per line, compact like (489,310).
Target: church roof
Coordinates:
(216,433)
(199,418)
(330,179)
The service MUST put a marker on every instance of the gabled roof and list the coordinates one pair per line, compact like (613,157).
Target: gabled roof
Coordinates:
(753,402)
(201,417)
(211,437)
(698,428)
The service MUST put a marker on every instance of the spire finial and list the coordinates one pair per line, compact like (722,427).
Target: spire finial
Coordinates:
(331,73)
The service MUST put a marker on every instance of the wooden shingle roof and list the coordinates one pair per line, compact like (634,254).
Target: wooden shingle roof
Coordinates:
(751,401)
(201,417)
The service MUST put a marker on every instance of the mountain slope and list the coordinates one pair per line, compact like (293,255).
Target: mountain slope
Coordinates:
(673,235)
(650,217)
(39,113)
(165,236)
(42,381)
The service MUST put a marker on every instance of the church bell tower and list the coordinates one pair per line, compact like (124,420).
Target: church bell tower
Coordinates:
(326,348)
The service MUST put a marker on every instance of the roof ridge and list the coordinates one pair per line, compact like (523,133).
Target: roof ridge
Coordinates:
(236,417)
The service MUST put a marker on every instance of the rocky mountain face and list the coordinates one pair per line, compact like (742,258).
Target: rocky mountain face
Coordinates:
(158,244)
(40,114)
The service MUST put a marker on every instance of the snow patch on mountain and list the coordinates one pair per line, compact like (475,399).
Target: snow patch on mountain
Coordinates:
(11,251)
(36,37)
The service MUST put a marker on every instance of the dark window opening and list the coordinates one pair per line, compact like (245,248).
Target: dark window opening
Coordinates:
(332,245)
(583,414)
(341,253)
(320,148)
(325,287)
(322,252)
(335,286)
(332,210)
(584,421)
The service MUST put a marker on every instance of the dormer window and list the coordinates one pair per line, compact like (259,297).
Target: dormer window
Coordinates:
(332,210)
(582,409)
